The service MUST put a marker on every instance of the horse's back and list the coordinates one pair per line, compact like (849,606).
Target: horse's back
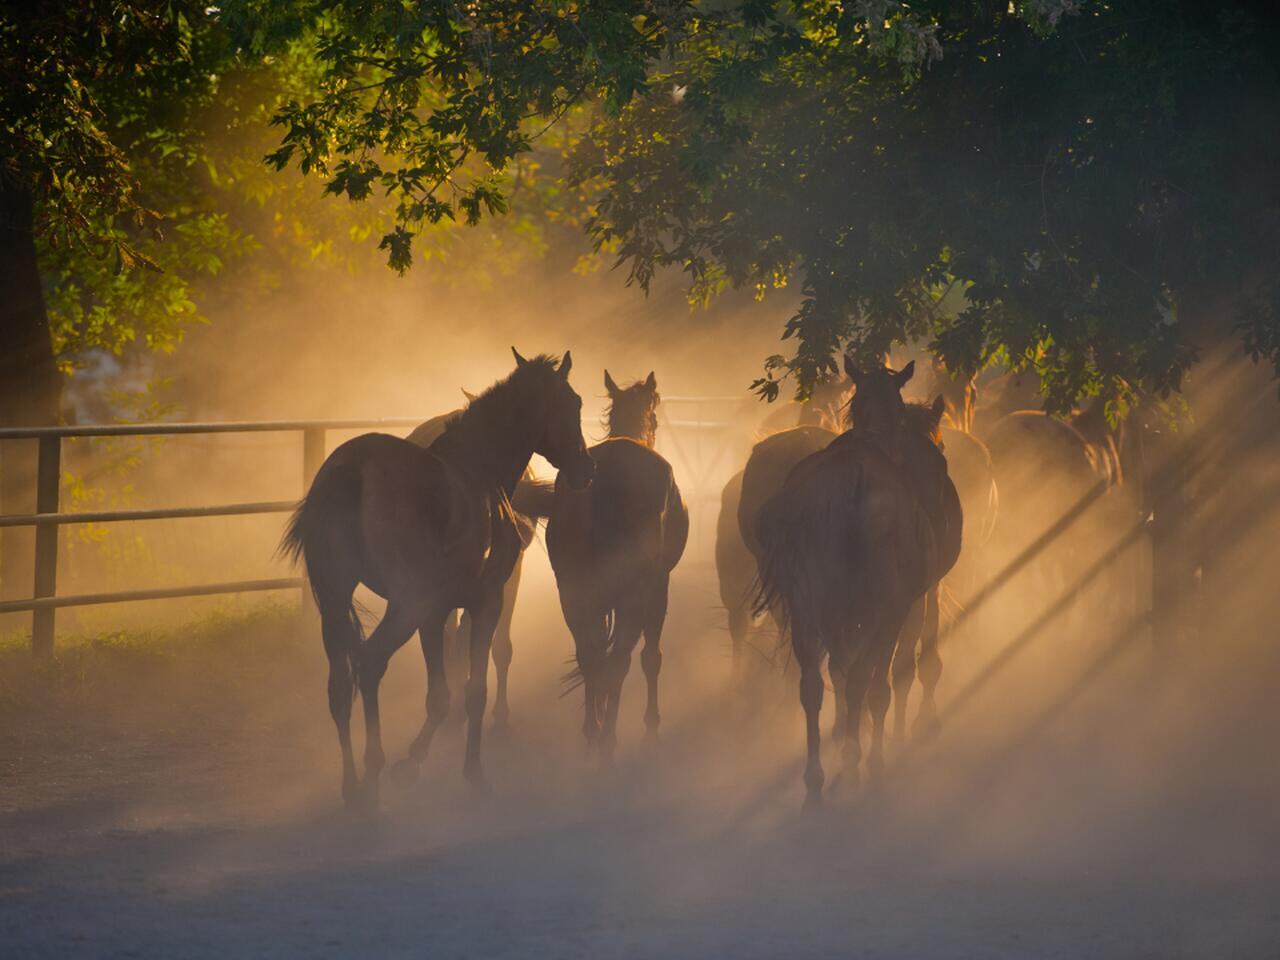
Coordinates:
(417,515)
(767,469)
(636,502)
(735,566)
(845,534)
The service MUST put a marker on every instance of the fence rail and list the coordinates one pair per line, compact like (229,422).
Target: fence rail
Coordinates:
(47,517)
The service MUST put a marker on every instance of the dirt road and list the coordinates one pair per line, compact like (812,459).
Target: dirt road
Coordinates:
(187,806)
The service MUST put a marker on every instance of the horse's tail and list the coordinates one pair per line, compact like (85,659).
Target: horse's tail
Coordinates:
(534,498)
(323,532)
(799,532)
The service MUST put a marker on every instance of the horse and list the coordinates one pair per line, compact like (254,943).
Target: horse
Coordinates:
(860,531)
(817,417)
(430,530)
(456,635)
(738,549)
(1044,466)
(612,548)
(822,408)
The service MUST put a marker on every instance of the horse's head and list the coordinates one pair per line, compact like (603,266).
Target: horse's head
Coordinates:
(557,410)
(925,419)
(825,403)
(960,394)
(877,402)
(633,410)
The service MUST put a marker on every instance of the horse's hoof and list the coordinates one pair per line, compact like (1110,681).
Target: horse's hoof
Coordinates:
(652,739)
(351,795)
(363,800)
(404,773)
(813,802)
(927,728)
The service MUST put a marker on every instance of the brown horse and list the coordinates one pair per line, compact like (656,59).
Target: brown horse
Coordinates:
(738,549)
(431,531)
(613,547)
(456,636)
(858,534)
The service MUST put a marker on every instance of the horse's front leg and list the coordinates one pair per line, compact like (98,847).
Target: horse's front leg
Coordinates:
(484,620)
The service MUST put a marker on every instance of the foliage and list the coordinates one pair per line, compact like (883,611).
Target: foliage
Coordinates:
(430,104)
(1078,171)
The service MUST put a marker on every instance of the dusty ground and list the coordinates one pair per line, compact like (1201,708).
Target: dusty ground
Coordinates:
(178,797)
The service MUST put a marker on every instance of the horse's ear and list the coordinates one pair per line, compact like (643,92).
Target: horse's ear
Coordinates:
(939,405)
(566,364)
(902,376)
(851,369)
(651,381)
(520,361)
(468,394)
(610,385)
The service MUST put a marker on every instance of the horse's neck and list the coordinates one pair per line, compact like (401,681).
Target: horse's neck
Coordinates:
(622,429)
(494,451)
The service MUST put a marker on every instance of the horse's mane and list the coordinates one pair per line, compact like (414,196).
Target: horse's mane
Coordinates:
(492,406)
(609,408)
(921,419)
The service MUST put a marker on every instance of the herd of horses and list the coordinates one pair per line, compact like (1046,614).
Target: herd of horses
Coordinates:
(843,529)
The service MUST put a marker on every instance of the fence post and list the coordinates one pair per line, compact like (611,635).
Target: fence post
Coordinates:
(312,457)
(48,480)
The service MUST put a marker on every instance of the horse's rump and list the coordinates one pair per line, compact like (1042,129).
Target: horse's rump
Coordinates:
(770,463)
(833,544)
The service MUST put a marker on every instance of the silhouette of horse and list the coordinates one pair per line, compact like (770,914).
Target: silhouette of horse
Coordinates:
(1045,466)
(860,531)
(431,531)
(613,547)
(456,636)
(819,418)
(738,549)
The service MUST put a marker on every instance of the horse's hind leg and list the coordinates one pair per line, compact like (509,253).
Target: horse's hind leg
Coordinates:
(930,667)
(904,667)
(457,631)
(651,656)
(502,648)
(808,652)
(431,635)
(628,624)
(878,695)
(857,677)
(391,634)
(484,619)
(340,645)
(839,683)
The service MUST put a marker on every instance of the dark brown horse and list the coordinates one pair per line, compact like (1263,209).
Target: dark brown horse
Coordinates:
(456,636)
(738,548)
(431,531)
(613,547)
(859,533)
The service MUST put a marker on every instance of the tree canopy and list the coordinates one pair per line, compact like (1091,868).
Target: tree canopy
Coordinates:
(1047,184)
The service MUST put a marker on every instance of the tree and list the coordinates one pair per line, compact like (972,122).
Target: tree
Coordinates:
(92,92)
(1087,175)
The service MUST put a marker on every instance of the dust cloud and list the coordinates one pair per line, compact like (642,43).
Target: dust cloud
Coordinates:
(1098,788)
